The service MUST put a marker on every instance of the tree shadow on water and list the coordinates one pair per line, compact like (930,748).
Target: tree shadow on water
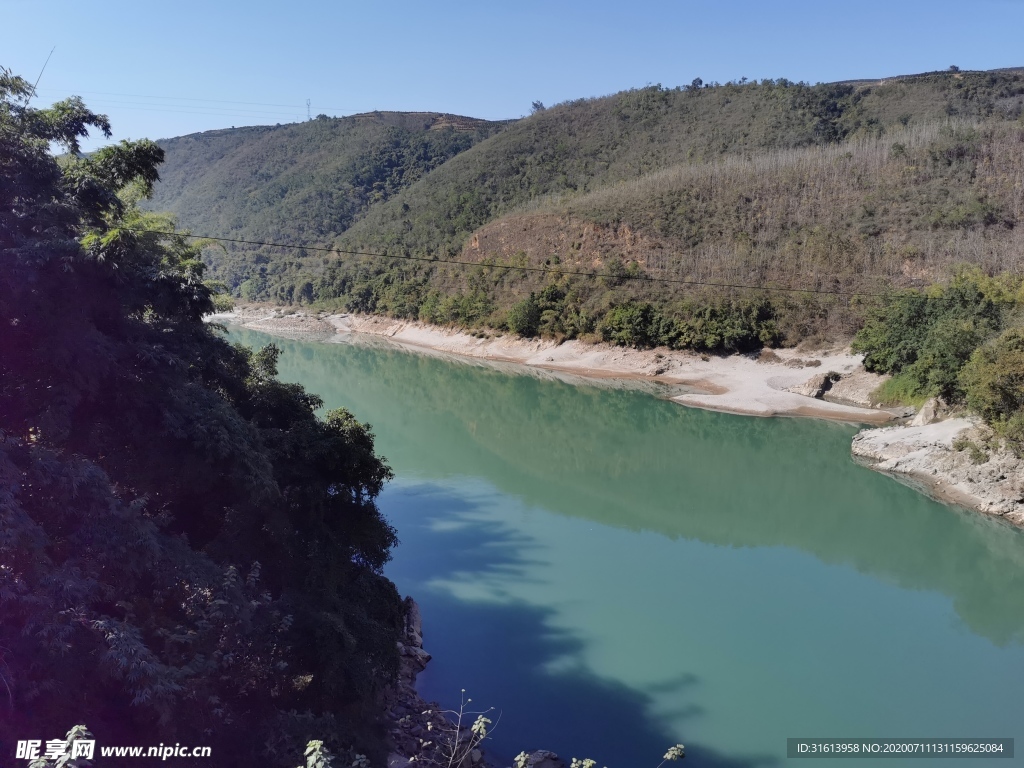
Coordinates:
(506,654)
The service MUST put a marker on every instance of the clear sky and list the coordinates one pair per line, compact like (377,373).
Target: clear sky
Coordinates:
(169,68)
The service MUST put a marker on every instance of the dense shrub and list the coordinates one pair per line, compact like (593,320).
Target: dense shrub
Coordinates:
(524,317)
(715,327)
(962,341)
(636,324)
(993,380)
(738,326)
(927,338)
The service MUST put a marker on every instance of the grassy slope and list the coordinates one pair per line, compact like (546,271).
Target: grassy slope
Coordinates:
(582,145)
(860,216)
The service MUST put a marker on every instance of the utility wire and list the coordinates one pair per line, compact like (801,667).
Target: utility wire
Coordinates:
(36,85)
(543,270)
(55,89)
(206,108)
(174,98)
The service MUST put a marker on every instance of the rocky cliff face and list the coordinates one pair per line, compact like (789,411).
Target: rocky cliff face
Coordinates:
(421,732)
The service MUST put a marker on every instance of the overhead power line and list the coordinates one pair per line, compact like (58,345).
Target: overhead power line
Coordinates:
(191,109)
(297,107)
(543,270)
(173,98)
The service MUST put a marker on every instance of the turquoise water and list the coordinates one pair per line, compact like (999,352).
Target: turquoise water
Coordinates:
(615,573)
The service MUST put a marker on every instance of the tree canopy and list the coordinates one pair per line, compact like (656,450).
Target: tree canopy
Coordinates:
(188,551)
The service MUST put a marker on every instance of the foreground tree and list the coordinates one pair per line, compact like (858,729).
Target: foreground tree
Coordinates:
(187,551)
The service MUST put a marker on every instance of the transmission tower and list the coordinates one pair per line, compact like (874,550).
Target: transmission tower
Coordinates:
(309,115)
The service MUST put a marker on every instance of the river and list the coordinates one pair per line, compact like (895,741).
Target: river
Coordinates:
(615,573)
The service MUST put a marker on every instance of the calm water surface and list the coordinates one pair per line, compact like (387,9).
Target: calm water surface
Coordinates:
(616,573)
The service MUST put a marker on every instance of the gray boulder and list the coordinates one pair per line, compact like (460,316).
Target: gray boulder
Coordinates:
(816,386)
(927,414)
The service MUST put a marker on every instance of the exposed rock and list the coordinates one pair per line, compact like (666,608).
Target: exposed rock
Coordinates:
(927,414)
(816,386)
(413,623)
(419,655)
(856,387)
(542,758)
(956,460)
(417,727)
(798,362)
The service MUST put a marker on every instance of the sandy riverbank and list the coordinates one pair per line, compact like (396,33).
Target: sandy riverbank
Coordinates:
(739,384)
(778,383)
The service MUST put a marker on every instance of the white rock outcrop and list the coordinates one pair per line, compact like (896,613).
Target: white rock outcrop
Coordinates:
(950,459)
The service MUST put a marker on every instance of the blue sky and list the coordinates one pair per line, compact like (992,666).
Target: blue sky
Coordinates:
(165,69)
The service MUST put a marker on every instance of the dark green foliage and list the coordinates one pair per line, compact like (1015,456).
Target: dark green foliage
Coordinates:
(926,339)
(737,326)
(187,551)
(634,324)
(894,332)
(524,317)
(993,380)
(303,183)
(962,341)
(465,309)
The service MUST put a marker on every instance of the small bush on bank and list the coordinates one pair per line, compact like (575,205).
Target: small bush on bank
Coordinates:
(993,380)
(222,302)
(899,390)
(524,317)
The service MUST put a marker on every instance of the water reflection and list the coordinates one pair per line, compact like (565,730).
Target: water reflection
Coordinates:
(631,461)
(468,568)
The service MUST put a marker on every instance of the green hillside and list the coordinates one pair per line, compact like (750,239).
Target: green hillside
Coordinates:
(861,216)
(304,182)
(854,187)
(582,145)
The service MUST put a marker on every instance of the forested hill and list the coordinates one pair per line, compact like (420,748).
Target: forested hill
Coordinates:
(582,145)
(854,186)
(304,182)
(188,551)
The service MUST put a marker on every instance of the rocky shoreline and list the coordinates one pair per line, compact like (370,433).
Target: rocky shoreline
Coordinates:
(416,727)
(957,461)
(421,732)
(750,385)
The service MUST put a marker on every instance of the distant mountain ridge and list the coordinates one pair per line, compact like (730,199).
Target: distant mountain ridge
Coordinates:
(304,182)
(623,182)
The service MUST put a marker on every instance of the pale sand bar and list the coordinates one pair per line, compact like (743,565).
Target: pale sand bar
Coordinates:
(739,384)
